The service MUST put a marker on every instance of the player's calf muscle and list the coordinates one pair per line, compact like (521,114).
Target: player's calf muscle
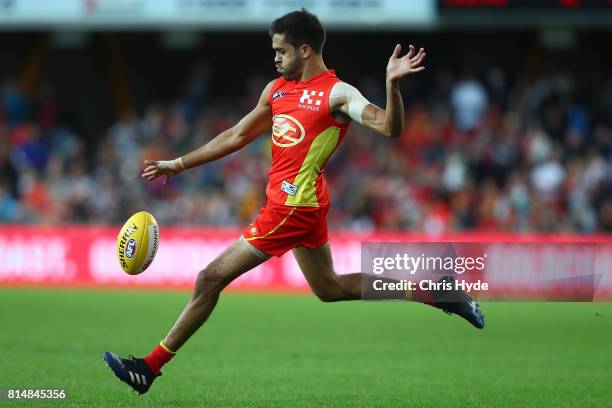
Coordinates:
(343,287)
(351,284)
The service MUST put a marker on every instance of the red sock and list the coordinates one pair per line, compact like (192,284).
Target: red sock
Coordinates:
(158,357)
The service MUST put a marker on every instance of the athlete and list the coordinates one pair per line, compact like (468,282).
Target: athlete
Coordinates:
(308,110)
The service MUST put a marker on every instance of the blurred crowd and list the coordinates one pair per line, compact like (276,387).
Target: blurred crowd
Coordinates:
(479,152)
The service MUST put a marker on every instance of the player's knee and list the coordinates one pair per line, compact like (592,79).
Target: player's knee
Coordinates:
(329,291)
(210,280)
(329,296)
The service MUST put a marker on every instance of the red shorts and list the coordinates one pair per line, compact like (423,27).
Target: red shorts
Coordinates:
(278,228)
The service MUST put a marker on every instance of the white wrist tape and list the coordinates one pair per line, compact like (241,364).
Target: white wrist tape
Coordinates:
(175,165)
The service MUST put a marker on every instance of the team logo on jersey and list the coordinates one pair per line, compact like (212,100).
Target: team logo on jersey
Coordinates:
(311,100)
(286,131)
(278,94)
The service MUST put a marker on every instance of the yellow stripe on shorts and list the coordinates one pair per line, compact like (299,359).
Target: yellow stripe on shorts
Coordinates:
(275,228)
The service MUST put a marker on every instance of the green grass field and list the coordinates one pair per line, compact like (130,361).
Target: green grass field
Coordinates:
(294,351)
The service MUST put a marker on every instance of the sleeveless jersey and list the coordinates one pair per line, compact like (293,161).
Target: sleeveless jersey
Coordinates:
(304,136)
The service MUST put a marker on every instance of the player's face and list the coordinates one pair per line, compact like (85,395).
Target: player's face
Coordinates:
(288,63)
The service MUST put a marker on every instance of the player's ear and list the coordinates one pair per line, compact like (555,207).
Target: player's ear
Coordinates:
(305,50)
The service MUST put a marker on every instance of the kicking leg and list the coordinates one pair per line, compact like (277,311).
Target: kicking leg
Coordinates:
(237,259)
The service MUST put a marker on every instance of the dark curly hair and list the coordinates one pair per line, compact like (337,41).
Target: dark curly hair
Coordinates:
(300,27)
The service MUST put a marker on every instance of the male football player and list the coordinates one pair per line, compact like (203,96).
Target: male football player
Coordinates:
(308,109)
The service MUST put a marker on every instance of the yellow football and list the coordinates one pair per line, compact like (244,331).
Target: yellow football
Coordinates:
(137,242)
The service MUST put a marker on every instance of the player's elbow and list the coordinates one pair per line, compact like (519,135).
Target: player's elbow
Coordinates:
(393,133)
(393,130)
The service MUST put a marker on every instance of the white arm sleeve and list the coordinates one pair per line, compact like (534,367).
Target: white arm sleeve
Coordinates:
(356,101)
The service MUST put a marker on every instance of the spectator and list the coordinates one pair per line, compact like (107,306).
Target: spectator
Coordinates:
(533,157)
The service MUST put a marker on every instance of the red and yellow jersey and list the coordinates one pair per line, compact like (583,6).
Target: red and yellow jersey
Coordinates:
(304,136)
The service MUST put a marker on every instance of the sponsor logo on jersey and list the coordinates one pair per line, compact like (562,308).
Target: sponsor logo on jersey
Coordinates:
(310,108)
(278,94)
(311,100)
(289,188)
(312,97)
(286,131)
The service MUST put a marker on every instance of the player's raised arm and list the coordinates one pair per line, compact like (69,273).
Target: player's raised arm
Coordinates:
(252,125)
(390,121)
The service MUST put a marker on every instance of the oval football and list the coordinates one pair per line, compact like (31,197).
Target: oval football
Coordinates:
(137,243)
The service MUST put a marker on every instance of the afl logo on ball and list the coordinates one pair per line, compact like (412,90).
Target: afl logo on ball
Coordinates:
(287,131)
(130,248)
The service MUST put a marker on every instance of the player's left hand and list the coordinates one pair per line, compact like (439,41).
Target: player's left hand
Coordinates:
(398,67)
(164,168)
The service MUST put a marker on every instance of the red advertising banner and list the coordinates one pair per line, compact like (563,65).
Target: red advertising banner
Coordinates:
(85,256)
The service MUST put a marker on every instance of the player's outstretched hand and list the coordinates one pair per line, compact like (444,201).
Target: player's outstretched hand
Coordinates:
(164,168)
(398,67)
